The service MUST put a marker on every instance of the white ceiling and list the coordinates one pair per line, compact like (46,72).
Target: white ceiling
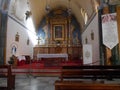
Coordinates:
(38,8)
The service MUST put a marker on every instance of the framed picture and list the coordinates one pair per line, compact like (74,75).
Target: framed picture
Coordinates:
(58,31)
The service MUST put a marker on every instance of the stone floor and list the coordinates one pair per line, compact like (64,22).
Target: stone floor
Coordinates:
(39,83)
(32,83)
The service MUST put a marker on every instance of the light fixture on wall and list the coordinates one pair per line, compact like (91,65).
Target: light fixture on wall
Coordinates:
(28,14)
(92,35)
(17,37)
(86,40)
(28,41)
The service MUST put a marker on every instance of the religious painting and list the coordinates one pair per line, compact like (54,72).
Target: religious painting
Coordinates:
(58,32)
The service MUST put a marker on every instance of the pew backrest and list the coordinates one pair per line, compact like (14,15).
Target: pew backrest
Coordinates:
(5,72)
(79,85)
(93,72)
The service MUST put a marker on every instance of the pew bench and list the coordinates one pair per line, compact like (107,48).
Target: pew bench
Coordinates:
(5,72)
(70,75)
(80,85)
(90,72)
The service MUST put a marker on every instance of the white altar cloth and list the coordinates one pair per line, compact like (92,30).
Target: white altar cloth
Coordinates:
(61,55)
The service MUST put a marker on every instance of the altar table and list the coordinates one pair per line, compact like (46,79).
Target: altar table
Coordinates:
(61,55)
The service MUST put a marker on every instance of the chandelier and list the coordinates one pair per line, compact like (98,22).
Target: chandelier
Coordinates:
(69,7)
(28,12)
(47,8)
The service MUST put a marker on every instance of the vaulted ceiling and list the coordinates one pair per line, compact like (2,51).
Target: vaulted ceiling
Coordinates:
(38,8)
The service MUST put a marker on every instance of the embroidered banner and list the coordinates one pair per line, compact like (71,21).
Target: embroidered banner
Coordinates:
(87,54)
(109,30)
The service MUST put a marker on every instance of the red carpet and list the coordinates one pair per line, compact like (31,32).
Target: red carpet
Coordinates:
(42,69)
(37,69)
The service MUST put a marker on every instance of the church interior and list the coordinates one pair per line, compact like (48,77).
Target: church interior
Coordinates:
(51,40)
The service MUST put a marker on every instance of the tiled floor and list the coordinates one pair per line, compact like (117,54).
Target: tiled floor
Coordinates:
(38,83)
(32,83)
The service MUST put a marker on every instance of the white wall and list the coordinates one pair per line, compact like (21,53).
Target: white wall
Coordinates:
(25,28)
(22,48)
(92,27)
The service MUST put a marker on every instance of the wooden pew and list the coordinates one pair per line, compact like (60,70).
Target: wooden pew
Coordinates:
(77,73)
(90,72)
(79,85)
(5,72)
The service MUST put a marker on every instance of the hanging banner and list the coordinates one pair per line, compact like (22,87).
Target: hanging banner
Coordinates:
(109,30)
(87,54)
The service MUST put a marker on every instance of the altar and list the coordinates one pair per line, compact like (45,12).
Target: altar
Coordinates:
(60,55)
(58,40)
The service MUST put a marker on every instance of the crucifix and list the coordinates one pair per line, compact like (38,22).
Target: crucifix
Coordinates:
(38,40)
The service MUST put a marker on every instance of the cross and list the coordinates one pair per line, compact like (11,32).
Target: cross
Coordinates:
(38,40)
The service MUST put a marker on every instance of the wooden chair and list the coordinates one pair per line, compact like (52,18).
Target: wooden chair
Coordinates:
(68,73)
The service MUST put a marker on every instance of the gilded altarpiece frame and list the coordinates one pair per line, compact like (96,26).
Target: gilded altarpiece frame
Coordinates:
(59,30)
